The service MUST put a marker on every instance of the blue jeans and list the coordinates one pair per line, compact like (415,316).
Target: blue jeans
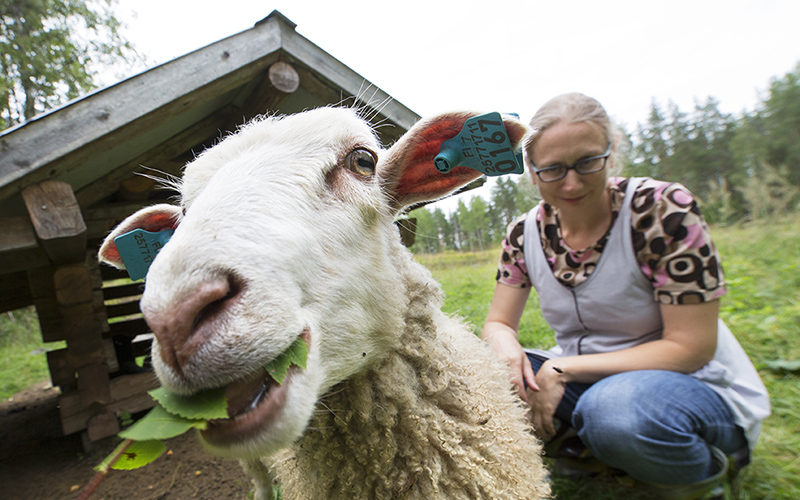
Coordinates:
(655,425)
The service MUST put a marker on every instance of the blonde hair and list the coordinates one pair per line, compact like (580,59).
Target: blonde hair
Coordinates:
(573,107)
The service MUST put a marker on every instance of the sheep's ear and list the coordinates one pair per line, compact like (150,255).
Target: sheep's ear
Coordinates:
(154,219)
(407,170)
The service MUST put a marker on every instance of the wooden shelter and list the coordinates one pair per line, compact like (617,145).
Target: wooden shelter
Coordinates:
(68,176)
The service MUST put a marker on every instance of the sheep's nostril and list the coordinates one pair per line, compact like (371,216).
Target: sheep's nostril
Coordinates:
(214,308)
(182,328)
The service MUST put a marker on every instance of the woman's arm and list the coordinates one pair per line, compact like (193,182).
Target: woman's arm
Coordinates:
(500,332)
(688,343)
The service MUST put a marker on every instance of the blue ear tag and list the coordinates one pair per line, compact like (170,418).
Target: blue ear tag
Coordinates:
(482,145)
(138,249)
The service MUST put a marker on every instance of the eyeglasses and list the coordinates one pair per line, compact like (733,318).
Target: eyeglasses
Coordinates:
(584,166)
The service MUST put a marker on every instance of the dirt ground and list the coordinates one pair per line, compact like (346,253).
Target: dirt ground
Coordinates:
(38,463)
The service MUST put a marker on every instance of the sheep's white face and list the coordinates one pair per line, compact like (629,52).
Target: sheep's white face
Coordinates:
(285,231)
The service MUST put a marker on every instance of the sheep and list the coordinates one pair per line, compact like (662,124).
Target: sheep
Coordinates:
(285,230)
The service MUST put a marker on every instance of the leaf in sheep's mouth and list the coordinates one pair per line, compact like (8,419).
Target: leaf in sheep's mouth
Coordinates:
(175,414)
(296,354)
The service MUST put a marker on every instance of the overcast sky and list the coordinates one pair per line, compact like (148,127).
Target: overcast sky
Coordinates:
(513,55)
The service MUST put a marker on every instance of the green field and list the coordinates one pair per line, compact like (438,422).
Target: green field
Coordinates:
(762,308)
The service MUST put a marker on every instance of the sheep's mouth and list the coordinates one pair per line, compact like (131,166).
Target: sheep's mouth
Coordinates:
(254,403)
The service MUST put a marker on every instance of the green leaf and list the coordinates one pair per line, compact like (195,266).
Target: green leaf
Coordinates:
(160,424)
(277,367)
(296,354)
(206,405)
(139,454)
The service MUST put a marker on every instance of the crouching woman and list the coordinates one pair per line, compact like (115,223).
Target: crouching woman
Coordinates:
(629,280)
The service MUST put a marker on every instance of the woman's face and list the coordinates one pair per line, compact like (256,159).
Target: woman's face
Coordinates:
(565,144)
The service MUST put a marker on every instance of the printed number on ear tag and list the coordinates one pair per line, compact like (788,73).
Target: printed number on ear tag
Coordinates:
(482,145)
(138,249)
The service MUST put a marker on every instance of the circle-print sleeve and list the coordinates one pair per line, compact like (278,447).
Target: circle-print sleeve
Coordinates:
(511,269)
(673,245)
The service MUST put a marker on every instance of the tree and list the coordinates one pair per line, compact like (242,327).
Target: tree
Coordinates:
(51,51)
(427,239)
(694,149)
(771,134)
(475,223)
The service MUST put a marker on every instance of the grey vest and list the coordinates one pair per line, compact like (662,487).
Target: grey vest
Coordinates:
(615,309)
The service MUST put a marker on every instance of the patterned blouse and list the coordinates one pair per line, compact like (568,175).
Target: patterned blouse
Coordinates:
(671,240)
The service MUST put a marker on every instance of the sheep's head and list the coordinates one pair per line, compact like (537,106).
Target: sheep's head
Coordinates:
(285,230)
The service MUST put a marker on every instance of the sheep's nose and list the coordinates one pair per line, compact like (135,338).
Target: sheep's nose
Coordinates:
(183,327)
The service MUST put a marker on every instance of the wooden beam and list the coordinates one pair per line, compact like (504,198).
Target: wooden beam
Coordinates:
(128,392)
(23,260)
(169,89)
(57,220)
(16,233)
(73,285)
(63,375)
(176,145)
(342,77)
(102,425)
(136,188)
(14,291)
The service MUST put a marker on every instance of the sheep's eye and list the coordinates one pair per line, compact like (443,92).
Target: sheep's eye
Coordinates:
(361,161)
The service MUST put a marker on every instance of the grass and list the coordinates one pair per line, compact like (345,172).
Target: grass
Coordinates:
(762,308)
(22,351)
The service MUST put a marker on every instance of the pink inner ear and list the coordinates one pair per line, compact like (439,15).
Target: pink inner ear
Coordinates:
(420,179)
(158,221)
(153,219)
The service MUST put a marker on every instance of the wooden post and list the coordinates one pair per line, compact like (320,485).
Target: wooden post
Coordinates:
(70,287)
(57,221)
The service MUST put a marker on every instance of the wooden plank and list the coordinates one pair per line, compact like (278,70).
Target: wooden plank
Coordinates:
(136,188)
(62,373)
(93,384)
(40,282)
(23,260)
(93,266)
(57,220)
(129,393)
(102,425)
(131,327)
(14,291)
(121,291)
(154,157)
(109,273)
(130,107)
(123,309)
(341,76)
(16,233)
(54,319)
(142,347)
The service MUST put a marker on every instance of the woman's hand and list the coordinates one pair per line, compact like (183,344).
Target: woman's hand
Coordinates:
(545,400)
(500,332)
(507,349)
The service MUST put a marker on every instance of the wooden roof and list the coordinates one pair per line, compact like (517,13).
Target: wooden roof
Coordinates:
(160,119)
